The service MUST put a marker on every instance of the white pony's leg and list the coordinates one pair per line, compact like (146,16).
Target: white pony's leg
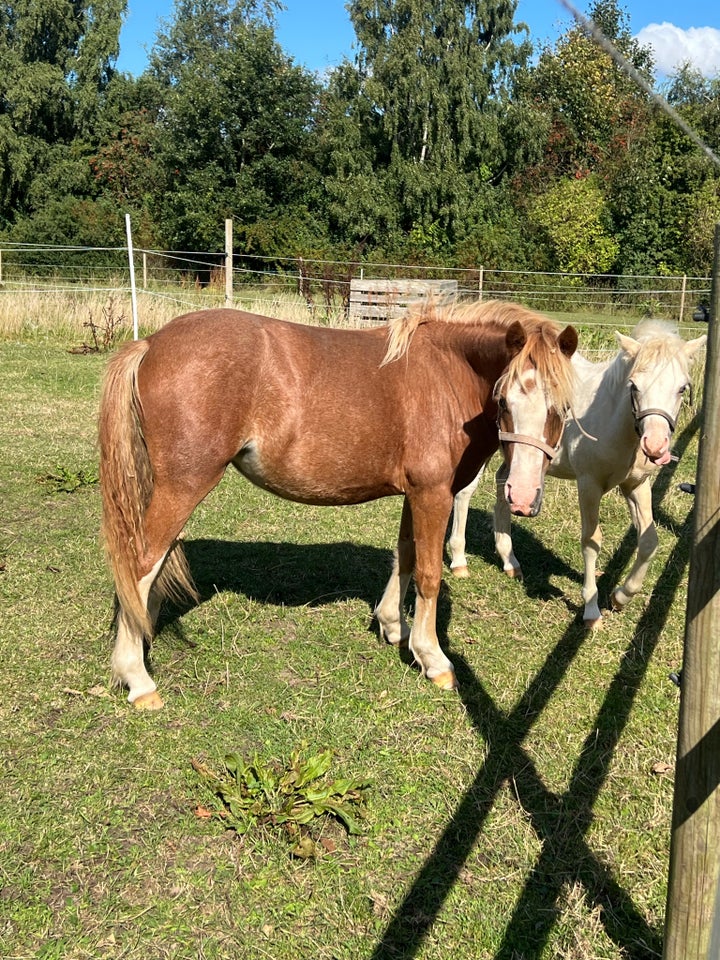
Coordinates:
(591,540)
(456,542)
(128,658)
(390,611)
(639,501)
(502,521)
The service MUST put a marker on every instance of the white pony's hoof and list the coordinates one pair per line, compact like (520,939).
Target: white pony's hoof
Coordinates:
(149,701)
(462,573)
(595,624)
(446,680)
(617,603)
(515,573)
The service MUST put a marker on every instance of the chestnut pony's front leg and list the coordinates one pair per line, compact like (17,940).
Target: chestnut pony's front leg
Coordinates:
(430,513)
(420,548)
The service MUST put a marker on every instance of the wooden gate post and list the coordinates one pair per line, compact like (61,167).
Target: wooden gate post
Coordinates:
(692,925)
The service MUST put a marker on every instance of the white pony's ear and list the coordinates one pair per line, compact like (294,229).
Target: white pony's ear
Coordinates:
(692,346)
(629,345)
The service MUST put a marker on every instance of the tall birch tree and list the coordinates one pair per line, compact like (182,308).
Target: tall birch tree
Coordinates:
(438,75)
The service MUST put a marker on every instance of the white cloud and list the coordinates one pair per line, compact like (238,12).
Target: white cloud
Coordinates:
(698,46)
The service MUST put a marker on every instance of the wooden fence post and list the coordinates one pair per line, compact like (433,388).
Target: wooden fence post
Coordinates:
(692,925)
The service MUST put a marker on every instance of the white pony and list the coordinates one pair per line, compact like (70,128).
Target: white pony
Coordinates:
(624,414)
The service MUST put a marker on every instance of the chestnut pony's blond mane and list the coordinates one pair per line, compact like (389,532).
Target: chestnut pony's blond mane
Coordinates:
(540,349)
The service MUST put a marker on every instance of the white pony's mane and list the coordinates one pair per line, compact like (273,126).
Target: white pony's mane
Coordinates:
(654,328)
(658,339)
(660,343)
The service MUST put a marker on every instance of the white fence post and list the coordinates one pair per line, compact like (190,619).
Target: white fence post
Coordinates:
(682,297)
(228,263)
(131,260)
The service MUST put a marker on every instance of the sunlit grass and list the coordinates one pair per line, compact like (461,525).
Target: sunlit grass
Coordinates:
(523,817)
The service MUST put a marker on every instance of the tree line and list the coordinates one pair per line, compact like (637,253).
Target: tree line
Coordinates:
(448,139)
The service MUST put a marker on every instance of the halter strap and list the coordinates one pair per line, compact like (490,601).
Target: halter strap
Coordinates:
(530,441)
(653,412)
(648,412)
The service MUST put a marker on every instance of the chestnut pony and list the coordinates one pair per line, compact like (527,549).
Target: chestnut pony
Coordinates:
(320,416)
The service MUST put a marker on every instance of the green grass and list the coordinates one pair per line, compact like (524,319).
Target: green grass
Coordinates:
(520,819)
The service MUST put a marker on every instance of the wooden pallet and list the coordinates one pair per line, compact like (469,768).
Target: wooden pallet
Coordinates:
(374,301)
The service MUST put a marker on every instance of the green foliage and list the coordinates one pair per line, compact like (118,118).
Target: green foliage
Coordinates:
(233,137)
(258,793)
(433,82)
(56,61)
(66,480)
(575,217)
(441,143)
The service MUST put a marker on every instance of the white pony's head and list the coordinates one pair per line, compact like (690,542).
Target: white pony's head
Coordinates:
(660,362)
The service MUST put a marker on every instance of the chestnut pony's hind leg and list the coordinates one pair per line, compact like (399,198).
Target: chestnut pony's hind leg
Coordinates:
(164,519)
(128,657)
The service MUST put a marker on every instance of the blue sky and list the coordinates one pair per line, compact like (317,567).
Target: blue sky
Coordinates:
(318,33)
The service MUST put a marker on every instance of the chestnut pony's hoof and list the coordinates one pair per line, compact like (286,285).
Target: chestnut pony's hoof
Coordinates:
(149,701)
(445,680)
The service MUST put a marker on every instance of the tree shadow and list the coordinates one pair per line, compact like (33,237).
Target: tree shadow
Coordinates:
(560,821)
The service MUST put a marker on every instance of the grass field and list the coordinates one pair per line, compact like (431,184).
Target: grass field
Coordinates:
(526,817)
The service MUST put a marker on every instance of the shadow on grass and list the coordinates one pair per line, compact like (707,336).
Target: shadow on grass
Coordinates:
(560,821)
(287,574)
(539,564)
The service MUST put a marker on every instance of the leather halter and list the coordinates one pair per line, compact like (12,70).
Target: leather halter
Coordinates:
(525,438)
(531,441)
(640,415)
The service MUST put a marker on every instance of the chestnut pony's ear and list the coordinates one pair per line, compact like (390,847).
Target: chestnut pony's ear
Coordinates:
(568,341)
(515,338)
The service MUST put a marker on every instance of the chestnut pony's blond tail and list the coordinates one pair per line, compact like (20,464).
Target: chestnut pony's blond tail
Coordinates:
(125,480)
(126,483)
